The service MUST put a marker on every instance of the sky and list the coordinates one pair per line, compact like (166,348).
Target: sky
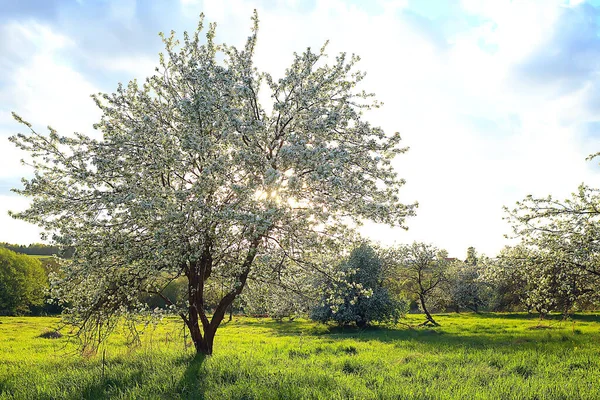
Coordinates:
(496,99)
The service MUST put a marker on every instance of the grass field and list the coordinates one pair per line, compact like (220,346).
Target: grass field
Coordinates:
(498,356)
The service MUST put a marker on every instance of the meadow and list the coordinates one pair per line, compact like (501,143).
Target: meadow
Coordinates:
(487,356)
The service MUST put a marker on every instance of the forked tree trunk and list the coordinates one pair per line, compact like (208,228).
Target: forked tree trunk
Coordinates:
(204,343)
(203,339)
(197,275)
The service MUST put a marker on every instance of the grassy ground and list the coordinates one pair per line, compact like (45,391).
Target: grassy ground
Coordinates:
(498,356)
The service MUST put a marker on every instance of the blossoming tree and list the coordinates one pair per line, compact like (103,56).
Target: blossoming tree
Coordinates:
(194,178)
(559,252)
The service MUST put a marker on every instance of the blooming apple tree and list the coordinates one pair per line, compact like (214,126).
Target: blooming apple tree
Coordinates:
(194,178)
(559,251)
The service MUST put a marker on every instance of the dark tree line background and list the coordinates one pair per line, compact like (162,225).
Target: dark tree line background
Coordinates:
(37,249)
(377,285)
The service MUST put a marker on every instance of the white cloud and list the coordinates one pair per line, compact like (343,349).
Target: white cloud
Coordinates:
(480,138)
(123,11)
(15,231)
(135,67)
(44,90)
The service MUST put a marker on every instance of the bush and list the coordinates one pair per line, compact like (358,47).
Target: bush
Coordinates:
(23,283)
(359,296)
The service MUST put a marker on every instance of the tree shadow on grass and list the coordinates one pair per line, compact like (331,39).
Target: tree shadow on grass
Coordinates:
(433,336)
(110,386)
(192,384)
(297,326)
(534,316)
(474,336)
(509,315)
(585,317)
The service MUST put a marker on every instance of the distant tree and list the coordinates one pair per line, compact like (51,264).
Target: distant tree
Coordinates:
(542,282)
(567,230)
(389,271)
(195,178)
(274,300)
(175,291)
(359,297)
(560,247)
(508,284)
(465,287)
(471,256)
(23,283)
(422,269)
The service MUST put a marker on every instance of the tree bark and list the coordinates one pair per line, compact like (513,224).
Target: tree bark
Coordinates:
(427,314)
(205,344)
(197,274)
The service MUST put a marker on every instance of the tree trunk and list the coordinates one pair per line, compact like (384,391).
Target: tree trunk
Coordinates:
(429,317)
(204,344)
(361,323)
(203,340)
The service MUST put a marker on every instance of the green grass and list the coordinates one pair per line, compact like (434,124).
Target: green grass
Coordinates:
(497,356)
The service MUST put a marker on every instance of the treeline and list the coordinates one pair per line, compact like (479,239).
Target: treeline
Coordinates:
(377,284)
(24,280)
(34,249)
(38,249)
(380,284)
(370,284)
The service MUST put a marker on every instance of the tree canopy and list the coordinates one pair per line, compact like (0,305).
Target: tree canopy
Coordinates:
(23,283)
(195,177)
(567,230)
(422,269)
(559,253)
(464,287)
